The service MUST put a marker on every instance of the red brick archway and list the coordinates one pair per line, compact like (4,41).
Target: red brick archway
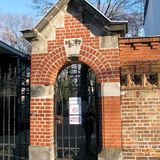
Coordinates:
(51,64)
(45,68)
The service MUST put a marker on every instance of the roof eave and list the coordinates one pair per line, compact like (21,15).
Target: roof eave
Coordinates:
(50,14)
(119,28)
(12,50)
(123,25)
(29,34)
(105,22)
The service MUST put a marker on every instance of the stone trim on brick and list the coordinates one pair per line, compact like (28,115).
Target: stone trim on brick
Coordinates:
(42,91)
(41,153)
(110,89)
(111,154)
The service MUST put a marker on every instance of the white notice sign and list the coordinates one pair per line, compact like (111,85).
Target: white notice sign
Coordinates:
(75,110)
(75,107)
(74,100)
(75,119)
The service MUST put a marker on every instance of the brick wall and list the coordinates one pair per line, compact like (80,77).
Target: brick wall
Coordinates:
(41,122)
(135,50)
(131,121)
(111,122)
(104,62)
(140,107)
(141,124)
(46,66)
(136,127)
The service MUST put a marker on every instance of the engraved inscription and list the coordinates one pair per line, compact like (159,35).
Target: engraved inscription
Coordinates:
(72,46)
(71,43)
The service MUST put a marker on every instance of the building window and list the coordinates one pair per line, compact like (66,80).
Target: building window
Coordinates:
(140,80)
(124,80)
(135,80)
(151,79)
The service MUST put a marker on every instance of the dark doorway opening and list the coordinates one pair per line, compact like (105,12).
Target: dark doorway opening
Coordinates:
(76,87)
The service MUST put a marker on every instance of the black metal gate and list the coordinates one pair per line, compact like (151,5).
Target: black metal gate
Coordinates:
(76,80)
(14,110)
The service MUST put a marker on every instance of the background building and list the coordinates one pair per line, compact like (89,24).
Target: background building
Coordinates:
(151,17)
(14,103)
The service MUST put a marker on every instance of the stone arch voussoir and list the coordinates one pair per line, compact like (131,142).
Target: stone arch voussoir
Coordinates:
(50,66)
(97,62)
(52,63)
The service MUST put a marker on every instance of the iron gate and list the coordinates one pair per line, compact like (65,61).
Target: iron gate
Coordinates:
(14,111)
(76,80)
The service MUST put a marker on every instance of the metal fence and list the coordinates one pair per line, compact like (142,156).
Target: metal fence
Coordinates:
(14,111)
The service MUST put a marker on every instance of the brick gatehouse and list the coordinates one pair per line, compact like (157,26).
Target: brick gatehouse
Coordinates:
(127,71)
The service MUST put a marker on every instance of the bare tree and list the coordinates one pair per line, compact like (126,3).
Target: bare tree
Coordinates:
(10,27)
(42,6)
(130,10)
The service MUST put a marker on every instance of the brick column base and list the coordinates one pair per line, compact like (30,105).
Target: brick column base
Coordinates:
(111,154)
(111,122)
(41,153)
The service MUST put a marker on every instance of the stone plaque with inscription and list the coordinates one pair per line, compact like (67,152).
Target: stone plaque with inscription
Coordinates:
(72,46)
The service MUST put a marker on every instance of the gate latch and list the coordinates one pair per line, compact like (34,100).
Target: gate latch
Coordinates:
(59,119)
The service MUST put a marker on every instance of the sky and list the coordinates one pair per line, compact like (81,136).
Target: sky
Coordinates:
(16,6)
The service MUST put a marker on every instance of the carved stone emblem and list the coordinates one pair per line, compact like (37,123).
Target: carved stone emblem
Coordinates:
(72,46)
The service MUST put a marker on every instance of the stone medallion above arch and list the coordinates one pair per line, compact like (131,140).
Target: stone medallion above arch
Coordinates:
(49,67)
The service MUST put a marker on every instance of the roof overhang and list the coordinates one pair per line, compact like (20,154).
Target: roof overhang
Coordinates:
(112,26)
(6,49)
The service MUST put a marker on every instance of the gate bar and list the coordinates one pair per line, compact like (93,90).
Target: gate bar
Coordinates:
(9,127)
(4,122)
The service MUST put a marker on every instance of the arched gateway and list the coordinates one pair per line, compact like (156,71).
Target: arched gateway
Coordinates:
(76,124)
(74,33)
